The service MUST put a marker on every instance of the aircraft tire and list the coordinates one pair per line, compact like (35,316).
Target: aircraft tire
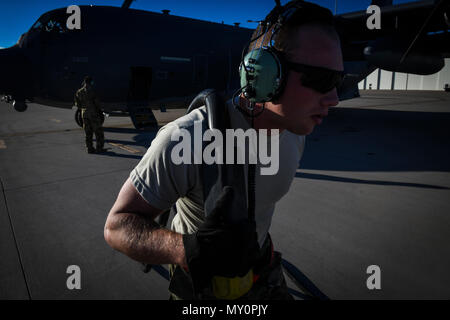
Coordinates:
(20,106)
(78,118)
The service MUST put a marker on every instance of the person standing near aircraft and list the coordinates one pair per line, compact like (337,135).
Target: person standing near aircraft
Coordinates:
(91,112)
(208,251)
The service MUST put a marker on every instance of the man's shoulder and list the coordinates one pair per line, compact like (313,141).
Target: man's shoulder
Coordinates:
(291,142)
(165,138)
(188,121)
(198,115)
(296,137)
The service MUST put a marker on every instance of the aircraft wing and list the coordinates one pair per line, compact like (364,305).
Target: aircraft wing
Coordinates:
(413,38)
(427,20)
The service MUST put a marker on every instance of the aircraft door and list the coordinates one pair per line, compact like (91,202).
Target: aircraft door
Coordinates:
(138,98)
(200,71)
(140,84)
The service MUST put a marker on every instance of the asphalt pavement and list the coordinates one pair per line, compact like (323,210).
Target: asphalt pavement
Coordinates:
(373,188)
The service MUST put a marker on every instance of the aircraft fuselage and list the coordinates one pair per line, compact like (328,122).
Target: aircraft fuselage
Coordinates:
(131,54)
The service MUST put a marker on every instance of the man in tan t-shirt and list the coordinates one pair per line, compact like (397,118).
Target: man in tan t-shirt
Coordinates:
(157,183)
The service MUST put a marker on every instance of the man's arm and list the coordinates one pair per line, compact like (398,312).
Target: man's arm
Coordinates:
(130,228)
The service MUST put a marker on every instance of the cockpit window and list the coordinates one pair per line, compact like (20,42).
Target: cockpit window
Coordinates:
(53,24)
(37,25)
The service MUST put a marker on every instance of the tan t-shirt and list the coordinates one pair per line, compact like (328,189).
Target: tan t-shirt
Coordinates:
(162,183)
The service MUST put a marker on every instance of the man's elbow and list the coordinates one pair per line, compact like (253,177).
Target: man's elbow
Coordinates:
(110,233)
(107,235)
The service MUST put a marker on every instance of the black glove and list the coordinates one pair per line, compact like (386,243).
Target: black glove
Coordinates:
(220,248)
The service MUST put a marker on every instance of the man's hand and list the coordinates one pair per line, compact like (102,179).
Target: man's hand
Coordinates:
(220,248)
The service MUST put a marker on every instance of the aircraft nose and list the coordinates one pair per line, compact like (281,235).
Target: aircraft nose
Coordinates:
(15,73)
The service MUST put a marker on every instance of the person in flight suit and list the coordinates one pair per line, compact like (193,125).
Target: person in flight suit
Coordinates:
(86,100)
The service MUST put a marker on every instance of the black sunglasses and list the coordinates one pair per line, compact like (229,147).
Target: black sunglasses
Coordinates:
(320,79)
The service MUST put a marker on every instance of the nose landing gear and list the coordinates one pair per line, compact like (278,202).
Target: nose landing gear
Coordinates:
(18,104)
(7,99)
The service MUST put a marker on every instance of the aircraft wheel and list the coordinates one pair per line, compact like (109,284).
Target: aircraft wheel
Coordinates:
(78,118)
(20,106)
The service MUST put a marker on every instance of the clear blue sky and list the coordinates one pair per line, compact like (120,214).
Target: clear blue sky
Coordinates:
(17,16)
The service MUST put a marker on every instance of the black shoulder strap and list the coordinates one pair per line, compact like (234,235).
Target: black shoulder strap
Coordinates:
(216,110)
(216,176)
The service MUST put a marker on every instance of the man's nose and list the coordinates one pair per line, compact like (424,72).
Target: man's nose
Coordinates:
(330,99)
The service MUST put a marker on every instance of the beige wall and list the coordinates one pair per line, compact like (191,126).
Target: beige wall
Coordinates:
(404,81)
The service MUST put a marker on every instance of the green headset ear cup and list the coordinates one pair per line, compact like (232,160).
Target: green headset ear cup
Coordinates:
(263,79)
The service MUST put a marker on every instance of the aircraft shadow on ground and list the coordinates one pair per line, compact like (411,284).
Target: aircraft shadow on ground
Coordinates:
(141,139)
(142,142)
(120,130)
(129,130)
(353,139)
(378,140)
(110,153)
(362,181)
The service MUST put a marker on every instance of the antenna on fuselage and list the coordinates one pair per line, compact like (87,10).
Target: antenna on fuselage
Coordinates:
(126,4)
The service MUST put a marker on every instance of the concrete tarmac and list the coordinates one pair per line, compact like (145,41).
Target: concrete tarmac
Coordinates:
(373,188)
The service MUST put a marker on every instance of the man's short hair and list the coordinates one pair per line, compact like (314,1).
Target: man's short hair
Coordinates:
(306,14)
